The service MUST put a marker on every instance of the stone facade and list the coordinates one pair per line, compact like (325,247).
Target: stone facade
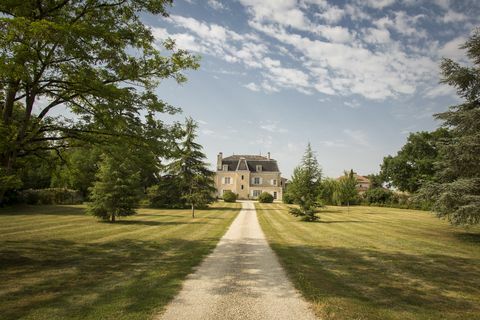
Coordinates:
(248,176)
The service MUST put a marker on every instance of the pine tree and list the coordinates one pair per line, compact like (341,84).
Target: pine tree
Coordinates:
(117,191)
(305,186)
(457,195)
(195,178)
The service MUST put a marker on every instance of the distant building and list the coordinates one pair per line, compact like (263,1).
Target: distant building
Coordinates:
(248,176)
(363,183)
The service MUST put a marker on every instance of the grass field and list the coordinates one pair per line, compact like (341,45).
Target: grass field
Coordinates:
(378,263)
(57,263)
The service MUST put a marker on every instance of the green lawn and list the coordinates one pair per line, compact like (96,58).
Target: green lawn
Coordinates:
(378,263)
(58,263)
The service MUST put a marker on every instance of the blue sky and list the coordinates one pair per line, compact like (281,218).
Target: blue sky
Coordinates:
(353,78)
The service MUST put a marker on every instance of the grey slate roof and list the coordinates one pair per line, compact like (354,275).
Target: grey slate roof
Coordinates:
(242,162)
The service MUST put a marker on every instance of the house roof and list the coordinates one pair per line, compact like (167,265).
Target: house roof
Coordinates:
(250,162)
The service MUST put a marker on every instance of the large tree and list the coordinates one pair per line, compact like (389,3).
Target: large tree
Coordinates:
(91,59)
(456,193)
(191,170)
(304,188)
(415,164)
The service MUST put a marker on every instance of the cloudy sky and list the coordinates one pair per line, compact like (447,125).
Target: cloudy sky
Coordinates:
(351,77)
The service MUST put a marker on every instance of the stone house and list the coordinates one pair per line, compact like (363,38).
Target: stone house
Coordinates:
(363,183)
(248,176)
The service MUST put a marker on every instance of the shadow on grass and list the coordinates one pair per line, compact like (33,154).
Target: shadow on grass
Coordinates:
(468,237)
(55,210)
(60,279)
(431,284)
(154,223)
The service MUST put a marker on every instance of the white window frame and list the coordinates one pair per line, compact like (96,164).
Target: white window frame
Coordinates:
(225,167)
(274,182)
(256,193)
(259,168)
(227,180)
(255,180)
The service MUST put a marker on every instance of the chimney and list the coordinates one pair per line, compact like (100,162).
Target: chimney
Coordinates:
(219,161)
(268,155)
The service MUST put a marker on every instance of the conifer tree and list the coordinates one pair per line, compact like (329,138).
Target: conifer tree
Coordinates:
(195,179)
(117,191)
(456,195)
(305,186)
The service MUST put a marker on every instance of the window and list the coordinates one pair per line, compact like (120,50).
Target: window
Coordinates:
(225,167)
(242,187)
(274,182)
(242,176)
(256,180)
(227,180)
(259,168)
(274,194)
(256,193)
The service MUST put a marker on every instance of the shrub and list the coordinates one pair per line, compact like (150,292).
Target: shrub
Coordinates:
(377,196)
(287,198)
(51,196)
(265,197)
(229,196)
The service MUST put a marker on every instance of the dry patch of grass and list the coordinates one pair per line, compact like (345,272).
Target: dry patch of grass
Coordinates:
(58,263)
(378,263)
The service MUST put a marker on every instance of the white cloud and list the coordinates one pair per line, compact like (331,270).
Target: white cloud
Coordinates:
(358,136)
(354,104)
(452,50)
(376,36)
(252,86)
(440,90)
(215,4)
(451,17)
(332,14)
(378,4)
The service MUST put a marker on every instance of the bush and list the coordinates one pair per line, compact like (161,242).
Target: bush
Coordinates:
(377,196)
(51,196)
(287,198)
(229,196)
(265,197)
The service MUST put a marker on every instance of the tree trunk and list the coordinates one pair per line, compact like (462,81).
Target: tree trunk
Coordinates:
(193,210)
(348,206)
(113,218)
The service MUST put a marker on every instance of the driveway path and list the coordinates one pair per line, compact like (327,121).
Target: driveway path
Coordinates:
(240,279)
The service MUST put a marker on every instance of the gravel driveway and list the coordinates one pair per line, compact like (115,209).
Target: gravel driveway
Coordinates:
(240,279)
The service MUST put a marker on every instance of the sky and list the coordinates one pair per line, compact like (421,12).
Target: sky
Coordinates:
(353,78)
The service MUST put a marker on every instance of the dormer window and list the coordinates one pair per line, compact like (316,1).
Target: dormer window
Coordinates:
(259,168)
(225,167)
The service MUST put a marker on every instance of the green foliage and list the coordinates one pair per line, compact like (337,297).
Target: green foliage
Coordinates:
(50,196)
(78,169)
(287,199)
(117,191)
(195,179)
(346,192)
(265,197)
(305,187)
(229,196)
(456,189)
(95,59)
(378,196)
(167,193)
(327,191)
(414,164)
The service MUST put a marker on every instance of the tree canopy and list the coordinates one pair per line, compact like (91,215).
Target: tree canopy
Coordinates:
(415,163)
(76,71)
